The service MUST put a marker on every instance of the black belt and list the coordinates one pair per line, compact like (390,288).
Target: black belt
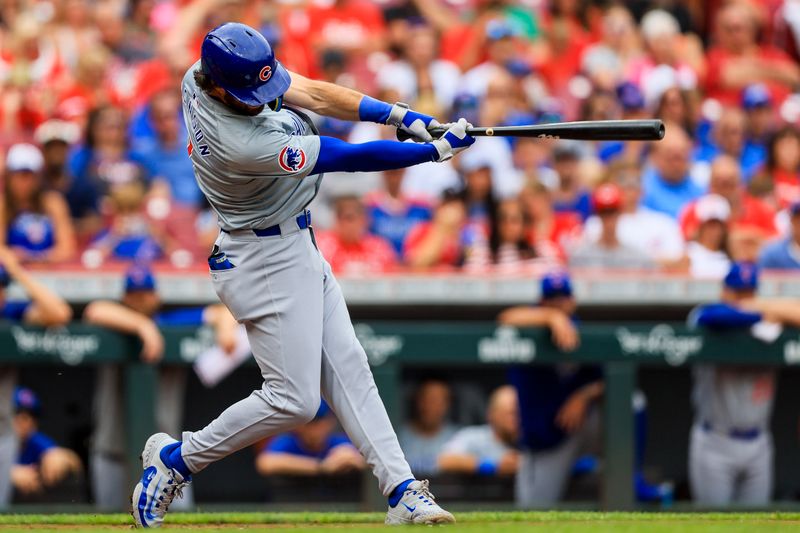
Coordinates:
(303,222)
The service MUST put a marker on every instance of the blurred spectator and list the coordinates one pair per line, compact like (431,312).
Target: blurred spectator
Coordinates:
(653,234)
(507,247)
(761,118)
(55,137)
(162,150)
(355,27)
(501,51)
(607,251)
(490,449)
(731,451)
(673,106)
(130,234)
(779,180)
(708,250)
(392,214)
(35,222)
(632,102)
(666,45)
(571,195)
(311,449)
(41,463)
(139,313)
(348,246)
(441,242)
(666,183)
(424,81)
(729,137)
(548,231)
(605,62)
(104,160)
(784,254)
(43,308)
(478,192)
(747,214)
(737,60)
(428,429)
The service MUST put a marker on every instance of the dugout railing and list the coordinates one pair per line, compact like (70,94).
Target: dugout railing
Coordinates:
(391,346)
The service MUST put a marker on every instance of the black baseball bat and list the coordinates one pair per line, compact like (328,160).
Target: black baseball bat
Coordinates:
(589,130)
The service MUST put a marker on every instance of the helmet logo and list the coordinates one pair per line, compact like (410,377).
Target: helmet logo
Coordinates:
(265,74)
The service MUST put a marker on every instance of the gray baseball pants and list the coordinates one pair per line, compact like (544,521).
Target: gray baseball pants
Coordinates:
(543,475)
(283,291)
(724,470)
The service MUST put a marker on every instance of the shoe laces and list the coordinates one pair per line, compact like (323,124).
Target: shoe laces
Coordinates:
(424,492)
(171,489)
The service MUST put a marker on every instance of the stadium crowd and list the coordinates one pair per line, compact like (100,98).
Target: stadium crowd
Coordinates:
(95,170)
(95,167)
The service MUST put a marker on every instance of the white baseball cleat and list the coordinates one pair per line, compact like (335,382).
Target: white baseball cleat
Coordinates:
(417,506)
(159,484)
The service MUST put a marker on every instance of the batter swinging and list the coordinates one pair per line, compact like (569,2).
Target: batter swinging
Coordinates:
(260,164)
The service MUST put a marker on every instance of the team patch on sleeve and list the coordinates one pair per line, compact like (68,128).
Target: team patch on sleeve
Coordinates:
(292,159)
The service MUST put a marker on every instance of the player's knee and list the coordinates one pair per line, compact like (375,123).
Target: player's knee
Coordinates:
(304,408)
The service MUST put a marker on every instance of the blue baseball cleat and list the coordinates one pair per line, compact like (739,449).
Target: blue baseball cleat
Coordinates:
(417,506)
(159,484)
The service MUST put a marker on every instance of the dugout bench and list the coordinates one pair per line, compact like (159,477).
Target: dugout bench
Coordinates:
(393,345)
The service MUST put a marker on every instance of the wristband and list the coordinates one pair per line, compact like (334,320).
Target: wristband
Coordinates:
(487,467)
(372,110)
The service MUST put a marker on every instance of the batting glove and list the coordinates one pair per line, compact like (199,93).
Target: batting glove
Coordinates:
(454,140)
(411,122)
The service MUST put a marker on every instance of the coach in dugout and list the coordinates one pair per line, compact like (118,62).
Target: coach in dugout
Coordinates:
(731,451)
(139,313)
(43,308)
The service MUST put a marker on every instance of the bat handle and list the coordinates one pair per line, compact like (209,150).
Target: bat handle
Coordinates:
(435,133)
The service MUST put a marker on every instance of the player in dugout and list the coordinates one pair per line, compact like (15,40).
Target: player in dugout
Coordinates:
(731,451)
(42,308)
(559,410)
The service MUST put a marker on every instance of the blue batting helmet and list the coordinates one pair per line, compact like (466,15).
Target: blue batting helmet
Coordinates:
(240,60)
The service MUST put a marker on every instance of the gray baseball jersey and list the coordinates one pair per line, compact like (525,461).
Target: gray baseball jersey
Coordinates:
(731,398)
(479,441)
(254,171)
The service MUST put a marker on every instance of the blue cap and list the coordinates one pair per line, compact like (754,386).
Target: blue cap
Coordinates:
(743,276)
(139,278)
(630,96)
(556,284)
(5,279)
(240,60)
(756,95)
(26,400)
(499,29)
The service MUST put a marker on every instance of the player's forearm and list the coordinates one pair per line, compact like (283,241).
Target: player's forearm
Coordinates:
(48,308)
(269,464)
(338,156)
(526,316)
(458,463)
(115,316)
(592,391)
(786,312)
(324,98)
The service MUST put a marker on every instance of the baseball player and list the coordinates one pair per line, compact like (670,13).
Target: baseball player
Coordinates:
(259,164)
(730,450)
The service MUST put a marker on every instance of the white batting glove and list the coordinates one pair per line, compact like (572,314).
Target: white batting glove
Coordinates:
(454,140)
(411,122)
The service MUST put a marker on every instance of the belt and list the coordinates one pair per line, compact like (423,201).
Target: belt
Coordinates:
(738,434)
(303,222)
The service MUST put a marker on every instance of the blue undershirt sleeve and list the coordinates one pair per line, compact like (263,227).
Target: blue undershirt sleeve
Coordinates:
(336,155)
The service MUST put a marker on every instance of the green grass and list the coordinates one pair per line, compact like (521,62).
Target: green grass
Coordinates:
(492,522)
